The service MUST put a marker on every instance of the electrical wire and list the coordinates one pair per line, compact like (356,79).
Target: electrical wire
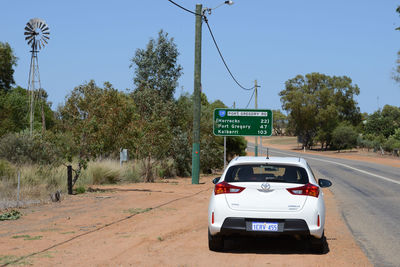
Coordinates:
(187,10)
(250,98)
(222,58)
(99,228)
(215,43)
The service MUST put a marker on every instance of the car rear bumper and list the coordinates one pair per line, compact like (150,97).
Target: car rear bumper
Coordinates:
(242,226)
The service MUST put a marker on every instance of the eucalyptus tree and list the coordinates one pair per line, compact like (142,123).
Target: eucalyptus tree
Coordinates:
(317,103)
(7,61)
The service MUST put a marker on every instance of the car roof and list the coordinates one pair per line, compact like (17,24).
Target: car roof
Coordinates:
(270,160)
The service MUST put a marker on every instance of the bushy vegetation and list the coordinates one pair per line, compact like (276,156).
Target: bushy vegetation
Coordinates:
(344,136)
(322,110)
(95,122)
(317,103)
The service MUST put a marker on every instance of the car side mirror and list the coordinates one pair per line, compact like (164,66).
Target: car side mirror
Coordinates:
(324,183)
(216,180)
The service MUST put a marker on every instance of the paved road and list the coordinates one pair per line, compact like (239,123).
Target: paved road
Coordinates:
(369,199)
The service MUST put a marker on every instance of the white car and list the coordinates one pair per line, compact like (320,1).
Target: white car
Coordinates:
(267,196)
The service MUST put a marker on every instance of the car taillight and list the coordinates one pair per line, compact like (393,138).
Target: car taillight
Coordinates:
(306,190)
(225,188)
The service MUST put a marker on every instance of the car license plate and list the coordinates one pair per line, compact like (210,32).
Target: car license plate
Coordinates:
(264,226)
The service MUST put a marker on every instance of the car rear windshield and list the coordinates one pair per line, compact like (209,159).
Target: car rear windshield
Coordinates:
(270,173)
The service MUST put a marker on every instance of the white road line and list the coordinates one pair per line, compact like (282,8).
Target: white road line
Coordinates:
(347,166)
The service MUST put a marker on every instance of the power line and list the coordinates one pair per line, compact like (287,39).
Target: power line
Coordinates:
(222,58)
(187,10)
(250,98)
(215,43)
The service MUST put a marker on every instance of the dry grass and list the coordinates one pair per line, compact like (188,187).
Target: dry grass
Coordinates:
(38,182)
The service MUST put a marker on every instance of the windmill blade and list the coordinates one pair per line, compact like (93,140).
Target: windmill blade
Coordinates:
(28,33)
(40,46)
(43,26)
(30,41)
(32,23)
(47,37)
(40,24)
(27,29)
(28,37)
(44,40)
(45,29)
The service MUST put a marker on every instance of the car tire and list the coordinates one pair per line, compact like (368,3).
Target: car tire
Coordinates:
(317,245)
(215,242)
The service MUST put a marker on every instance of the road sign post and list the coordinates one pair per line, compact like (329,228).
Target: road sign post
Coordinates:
(242,122)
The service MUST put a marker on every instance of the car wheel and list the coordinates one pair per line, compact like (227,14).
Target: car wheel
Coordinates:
(317,245)
(216,242)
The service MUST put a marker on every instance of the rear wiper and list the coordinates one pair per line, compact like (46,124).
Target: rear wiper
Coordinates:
(275,180)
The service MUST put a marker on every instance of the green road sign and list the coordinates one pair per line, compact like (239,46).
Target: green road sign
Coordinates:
(242,122)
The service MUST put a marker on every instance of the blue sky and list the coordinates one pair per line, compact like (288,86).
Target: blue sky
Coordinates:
(271,41)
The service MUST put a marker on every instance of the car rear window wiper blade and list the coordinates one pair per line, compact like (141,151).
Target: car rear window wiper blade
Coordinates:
(275,180)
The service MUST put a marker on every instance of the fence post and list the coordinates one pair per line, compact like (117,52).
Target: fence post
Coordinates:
(69,171)
(19,182)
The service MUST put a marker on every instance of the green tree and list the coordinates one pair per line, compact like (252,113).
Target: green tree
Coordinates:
(211,156)
(317,103)
(14,111)
(280,122)
(7,61)
(96,118)
(383,122)
(151,129)
(181,145)
(344,136)
(156,66)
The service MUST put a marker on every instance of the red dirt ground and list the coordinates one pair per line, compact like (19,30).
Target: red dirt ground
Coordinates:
(117,228)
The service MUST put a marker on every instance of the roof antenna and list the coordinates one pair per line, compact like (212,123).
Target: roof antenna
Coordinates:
(267,153)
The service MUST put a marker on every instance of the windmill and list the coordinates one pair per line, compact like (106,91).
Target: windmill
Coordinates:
(37,34)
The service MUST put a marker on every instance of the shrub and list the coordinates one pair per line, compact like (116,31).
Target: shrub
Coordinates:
(131,174)
(80,190)
(105,173)
(378,142)
(363,141)
(23,148)
(7,171)
(167,168)
(181,152)
(391,144)
(343,137)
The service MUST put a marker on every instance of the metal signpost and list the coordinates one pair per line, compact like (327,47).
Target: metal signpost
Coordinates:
(242,122)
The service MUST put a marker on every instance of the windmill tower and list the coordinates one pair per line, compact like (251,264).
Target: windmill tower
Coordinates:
(37,34)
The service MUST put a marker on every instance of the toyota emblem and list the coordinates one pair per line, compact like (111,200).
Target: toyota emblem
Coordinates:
(265,186)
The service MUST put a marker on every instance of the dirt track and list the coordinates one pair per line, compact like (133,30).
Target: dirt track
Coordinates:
(116,228)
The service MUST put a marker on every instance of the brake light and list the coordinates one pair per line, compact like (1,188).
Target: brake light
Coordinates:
(225,188)
(306,190)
